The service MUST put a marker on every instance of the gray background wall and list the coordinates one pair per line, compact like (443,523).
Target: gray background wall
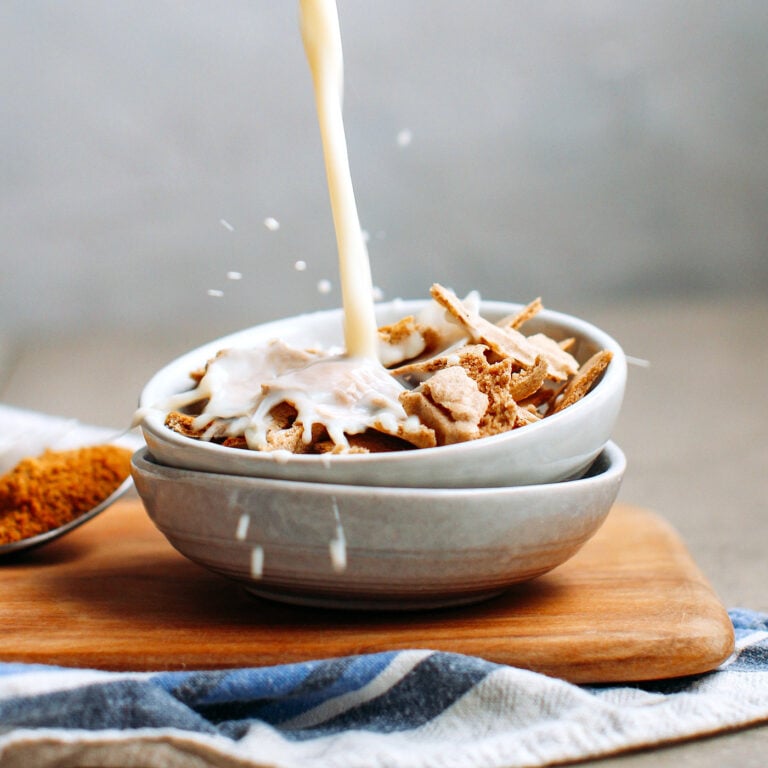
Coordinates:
(587,151)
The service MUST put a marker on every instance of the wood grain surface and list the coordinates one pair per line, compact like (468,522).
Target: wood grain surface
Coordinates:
(632,605)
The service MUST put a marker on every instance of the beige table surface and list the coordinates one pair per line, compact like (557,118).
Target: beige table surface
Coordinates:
(694,428)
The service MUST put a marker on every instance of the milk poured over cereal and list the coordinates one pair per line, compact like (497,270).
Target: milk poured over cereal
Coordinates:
(342,394)
(451,375)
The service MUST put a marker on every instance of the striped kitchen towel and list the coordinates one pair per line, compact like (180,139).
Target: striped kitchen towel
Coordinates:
(408,708)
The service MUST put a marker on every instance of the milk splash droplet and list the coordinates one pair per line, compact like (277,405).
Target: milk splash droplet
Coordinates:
(271,224)
(242,527)
(404,138)
(338,545)
(300,266)
(257,562)
(224,223)
(324,286)
(215,293)
(234,275)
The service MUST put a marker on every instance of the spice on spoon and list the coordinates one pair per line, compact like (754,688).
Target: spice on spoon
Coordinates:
(47,491)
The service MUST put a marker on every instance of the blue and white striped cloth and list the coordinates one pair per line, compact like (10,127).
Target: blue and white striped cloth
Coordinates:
(408,708)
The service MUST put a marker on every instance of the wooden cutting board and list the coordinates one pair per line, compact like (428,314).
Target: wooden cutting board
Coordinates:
(114,595)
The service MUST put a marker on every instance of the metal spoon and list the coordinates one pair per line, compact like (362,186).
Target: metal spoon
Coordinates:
(29,433)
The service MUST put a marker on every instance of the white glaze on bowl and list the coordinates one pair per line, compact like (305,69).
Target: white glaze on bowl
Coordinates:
(557,448)
(406,548)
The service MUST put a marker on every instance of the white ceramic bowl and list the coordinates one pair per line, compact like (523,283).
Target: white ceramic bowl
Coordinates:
(405,548)
(558,447)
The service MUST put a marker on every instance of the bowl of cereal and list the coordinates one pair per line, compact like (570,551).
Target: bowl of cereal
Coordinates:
(465,393)
(363,547)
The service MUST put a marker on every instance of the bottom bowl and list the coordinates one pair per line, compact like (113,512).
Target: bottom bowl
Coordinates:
(355,547)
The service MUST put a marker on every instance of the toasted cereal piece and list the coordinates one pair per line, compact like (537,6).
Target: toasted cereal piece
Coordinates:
(474,360)
(541,400)
(496,422)
(214,431)
(183,423)
(498,382)
(523,316)
(509,416)
(329,447)
(370,441)
(527,381)
(445,429)
(467,356)
(292,438)
(417,435)
(501,414)
(527,415)
(375,441)
(449,403)
(584,380)
(560,364)
(491,376)
(235,442)
(492,379)
(457,393)
(404,340)
(283,415)
(288,439)
(504,342)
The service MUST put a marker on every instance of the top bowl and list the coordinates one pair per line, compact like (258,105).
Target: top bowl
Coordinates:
(559,447)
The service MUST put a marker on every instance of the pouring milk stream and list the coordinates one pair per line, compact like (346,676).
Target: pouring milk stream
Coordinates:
(319,21)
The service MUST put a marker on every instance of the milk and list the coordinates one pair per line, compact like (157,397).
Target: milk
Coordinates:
(319,23)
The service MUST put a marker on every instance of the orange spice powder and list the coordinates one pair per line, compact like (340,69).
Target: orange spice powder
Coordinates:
(47,491)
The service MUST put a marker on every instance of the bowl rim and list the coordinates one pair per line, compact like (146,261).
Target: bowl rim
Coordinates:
(151,419)
(613,456)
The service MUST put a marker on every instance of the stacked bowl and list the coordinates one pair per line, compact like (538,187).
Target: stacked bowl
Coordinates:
(403,530)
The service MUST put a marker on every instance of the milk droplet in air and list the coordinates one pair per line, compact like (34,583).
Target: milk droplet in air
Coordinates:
(242,527)
(338,545)
(324,286)
(378,294)
(404,138)
(224,223)
(257,562)
(215,292)
(271,224)
(300,265)
(234,275)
